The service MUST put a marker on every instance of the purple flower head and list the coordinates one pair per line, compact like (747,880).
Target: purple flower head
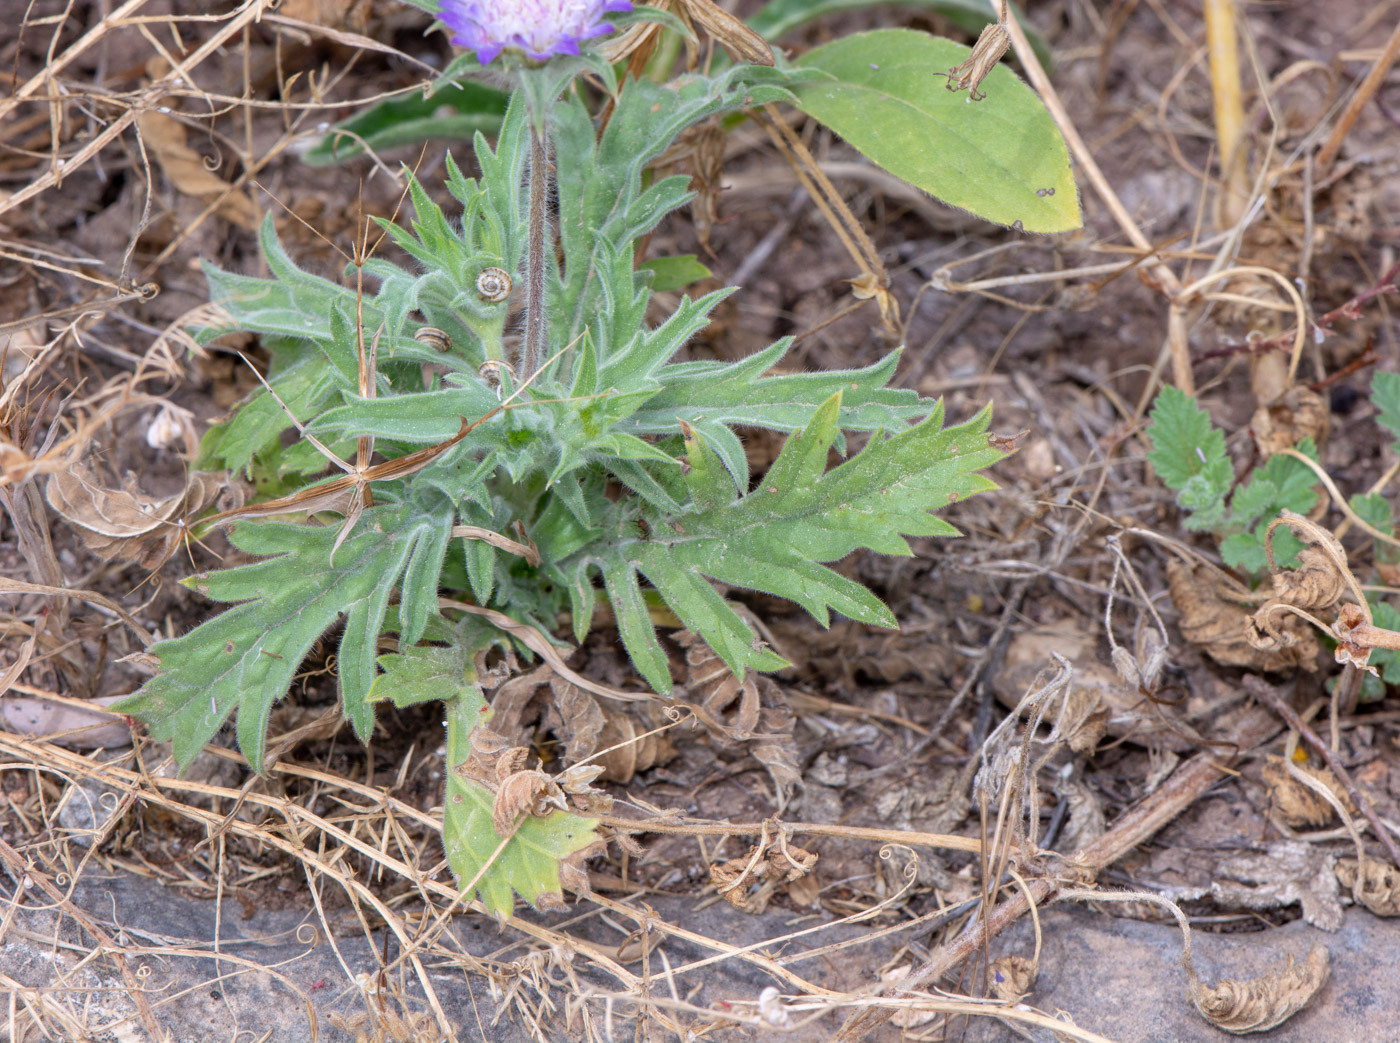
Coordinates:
(539,28)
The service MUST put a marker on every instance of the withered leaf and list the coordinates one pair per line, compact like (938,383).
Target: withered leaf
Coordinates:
(530,792)
(1299,413)
(165,138)
(751,713)
(1011,977)
(1263,1003)
(587,726)
(124,524)
(1379,889)
(1212,619)
(1296,803)
(1287,871)
(780,864)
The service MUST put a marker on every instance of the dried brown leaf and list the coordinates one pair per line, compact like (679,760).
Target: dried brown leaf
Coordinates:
(1011,977)
(124,524)
(1317,583)
(1379,889)
(1299,413)
(165,139)
(750,714)
(1100,703)
(748,882)
(1263,1003)
(1211,618)
(729,32)
(1286,872)
(530,792)
(1296,803)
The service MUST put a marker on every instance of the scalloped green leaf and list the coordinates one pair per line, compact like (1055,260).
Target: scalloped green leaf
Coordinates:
(1001,158)
(529,861)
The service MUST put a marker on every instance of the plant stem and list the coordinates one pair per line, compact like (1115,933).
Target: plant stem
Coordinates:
(535,265)
(1229,109)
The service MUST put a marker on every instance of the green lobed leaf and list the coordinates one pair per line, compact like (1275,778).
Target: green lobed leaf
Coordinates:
(421,673)
(529,863)
(1375,510)
(1001,158)
(1283,483)
(606,201)
(776,539)
(1244,550)
(244,659)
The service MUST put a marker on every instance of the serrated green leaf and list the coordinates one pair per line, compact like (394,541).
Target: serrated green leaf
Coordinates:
(605,203)
(528,864)
(1253,500)
(422,673)
(1204,503)
(777,538)
(1002,157)
(1285,484)
(1375,510)
(1243,550)
(1185,444)
(244,659)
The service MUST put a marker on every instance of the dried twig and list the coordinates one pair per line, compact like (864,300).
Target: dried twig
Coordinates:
(1266,693)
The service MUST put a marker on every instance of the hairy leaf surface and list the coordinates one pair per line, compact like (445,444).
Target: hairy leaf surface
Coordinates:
(529,861)
(1001,157)
(777,538)
(244,659)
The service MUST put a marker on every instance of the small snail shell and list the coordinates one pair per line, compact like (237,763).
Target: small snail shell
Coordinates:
(433,337)
(493,284)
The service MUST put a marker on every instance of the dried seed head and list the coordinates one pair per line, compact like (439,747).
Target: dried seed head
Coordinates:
(435,338)
(990,46)
(493,284)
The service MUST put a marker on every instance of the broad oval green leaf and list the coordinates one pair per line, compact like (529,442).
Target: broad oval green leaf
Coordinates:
(1002,157)
(783,16)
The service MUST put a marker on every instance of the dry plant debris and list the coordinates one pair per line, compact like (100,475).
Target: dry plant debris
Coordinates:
(1375,884)
(1266,1002)
(138,139)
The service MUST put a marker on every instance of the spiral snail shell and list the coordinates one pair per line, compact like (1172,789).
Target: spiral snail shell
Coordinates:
(433,337)
(493,284)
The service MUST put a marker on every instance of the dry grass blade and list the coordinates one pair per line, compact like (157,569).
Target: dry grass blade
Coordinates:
(18,586)
(542,646)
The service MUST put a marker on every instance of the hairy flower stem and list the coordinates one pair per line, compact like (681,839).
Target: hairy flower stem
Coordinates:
(532,351)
